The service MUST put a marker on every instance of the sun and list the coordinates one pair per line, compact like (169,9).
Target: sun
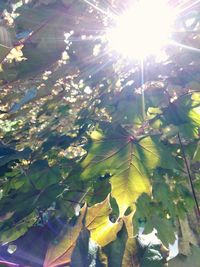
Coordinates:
(143,30)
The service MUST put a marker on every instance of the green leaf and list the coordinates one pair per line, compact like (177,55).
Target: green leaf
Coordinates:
(129,162)
(41,175)
(13,233)
(151,251)
(164,227)
(128,110)
(162,194)
(185,261)
(185,113)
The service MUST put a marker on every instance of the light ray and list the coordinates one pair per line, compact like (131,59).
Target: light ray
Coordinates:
(96,7)
(187,47)
(88,71)
(187,7)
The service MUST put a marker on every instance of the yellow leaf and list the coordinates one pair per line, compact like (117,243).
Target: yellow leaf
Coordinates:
(16,54)
(102,230)
(61,254)
(128,221)
(130,254)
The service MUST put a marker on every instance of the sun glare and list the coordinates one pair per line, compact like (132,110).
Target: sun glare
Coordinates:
(143,30)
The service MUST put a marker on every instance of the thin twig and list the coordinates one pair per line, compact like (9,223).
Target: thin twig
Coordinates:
(142,89)
(189,175)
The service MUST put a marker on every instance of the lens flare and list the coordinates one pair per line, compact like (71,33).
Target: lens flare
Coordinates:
(143,30)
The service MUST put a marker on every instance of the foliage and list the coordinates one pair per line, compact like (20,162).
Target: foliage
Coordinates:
(82,156)
(186,261)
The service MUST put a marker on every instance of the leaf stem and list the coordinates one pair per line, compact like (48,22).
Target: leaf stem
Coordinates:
(189,175)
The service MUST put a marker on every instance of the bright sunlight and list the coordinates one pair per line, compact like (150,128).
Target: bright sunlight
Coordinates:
(143,30)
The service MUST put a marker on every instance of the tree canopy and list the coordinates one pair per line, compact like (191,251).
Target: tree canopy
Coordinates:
(94,146)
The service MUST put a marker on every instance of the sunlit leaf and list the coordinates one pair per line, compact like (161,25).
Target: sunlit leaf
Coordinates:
(102,230)
(61,253)
(80,255)
(128,160)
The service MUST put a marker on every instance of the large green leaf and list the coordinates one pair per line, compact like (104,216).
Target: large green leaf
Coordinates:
(128,160)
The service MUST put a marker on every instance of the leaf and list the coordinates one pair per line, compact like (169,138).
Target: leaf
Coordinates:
(185,113)
(61,254)
(102,230)
(62,141)
(162,194)
(24,154)
(115,250)
(3,51)
(129,162)
(6,216)
(46,44)
(5,42)
(6,150)
(188,237)
(99,190)
(151,215)
(164,227)
(151,251)
(9,235)
(80,255)
(123,250)
(16,54)
(130,257)
(41,175)
(165,231)
(183,261)
(128,110)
